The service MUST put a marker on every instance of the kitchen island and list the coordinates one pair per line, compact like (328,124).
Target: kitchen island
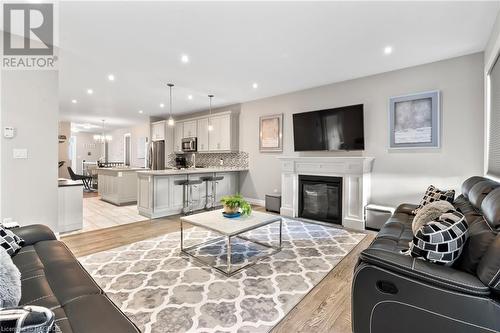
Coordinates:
(158,196)
(118,185)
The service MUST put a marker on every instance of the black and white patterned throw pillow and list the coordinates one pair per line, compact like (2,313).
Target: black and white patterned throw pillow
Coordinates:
(10,241)
(434,194)
(441,241)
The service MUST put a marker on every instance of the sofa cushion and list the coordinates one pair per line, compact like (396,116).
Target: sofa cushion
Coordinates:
(481,235)
(27,260)
(34,233)
(405,208)
(490,208)
(441,241)
(469,183)
(434,194)
(96,313)
(55,272)
(429,213)
(10,241)
(480,190)
(488,270)
(396,233)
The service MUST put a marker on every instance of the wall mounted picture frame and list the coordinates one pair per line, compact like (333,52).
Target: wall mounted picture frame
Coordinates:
(414,120)
(271,133)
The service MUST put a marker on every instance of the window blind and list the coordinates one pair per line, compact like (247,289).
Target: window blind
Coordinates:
(494,122)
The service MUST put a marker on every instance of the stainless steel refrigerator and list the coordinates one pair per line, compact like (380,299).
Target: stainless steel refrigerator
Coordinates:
(157,155)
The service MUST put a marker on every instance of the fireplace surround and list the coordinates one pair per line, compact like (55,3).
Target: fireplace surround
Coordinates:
(355,173)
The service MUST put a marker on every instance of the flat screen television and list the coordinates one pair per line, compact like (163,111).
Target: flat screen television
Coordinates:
(330,129)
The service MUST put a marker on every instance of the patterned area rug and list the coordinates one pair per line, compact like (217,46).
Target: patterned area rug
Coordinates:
(164,291)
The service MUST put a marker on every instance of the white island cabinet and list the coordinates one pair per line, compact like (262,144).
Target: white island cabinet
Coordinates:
(159,196)
(118,185)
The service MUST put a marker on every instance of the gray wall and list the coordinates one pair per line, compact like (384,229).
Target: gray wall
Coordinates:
(29,186)
(397,175)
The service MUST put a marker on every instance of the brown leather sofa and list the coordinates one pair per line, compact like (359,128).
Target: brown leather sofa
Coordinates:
(392,292)
(53,278)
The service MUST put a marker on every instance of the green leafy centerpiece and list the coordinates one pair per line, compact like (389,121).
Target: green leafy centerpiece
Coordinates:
(234,205)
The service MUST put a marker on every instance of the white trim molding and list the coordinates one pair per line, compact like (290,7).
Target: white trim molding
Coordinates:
(355,173)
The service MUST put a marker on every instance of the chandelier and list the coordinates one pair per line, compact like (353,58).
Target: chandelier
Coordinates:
(102,138)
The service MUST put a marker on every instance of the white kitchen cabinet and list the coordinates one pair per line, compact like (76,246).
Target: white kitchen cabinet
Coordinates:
(178,135)
(158,131)
(70,206)
(223,137)
(214,134)
(118,186)
(189,129)
(202,130)
(159,196)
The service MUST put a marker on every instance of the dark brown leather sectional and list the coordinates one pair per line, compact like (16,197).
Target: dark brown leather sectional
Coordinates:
(53,278)
(392,292)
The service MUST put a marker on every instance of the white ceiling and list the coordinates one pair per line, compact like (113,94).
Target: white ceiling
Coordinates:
(283,46)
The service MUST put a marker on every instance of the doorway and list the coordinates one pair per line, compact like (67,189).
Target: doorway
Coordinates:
(126,149)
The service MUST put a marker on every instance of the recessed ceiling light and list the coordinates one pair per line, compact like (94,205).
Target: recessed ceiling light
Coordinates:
(388,50)
(141,112)
(74,101)
(190,96)
(185,58)
(111,77)
(90,91)
(255,85)
(162,105)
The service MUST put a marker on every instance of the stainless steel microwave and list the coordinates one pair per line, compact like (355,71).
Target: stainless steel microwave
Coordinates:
(189,145)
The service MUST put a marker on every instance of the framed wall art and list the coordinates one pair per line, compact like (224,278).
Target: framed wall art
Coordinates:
(271,133)
(415,120)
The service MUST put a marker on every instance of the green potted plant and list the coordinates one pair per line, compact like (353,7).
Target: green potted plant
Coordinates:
(234,204)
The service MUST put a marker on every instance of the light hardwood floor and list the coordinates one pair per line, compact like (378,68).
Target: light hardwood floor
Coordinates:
(325,309)
(98,214)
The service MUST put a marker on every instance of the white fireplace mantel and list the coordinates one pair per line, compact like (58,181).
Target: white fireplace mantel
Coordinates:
(355,173)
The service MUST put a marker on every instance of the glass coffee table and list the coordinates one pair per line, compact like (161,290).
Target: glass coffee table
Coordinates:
(230,231)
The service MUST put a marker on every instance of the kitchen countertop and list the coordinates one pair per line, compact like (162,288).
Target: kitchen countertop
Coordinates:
(169,172)
(118,169)
(68,182)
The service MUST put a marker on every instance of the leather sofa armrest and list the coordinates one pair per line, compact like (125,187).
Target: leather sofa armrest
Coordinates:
(34,233)
(405,208)
(433,274)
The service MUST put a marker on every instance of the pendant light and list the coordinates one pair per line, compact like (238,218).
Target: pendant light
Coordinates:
(210,127)
(102,138)
(171,121)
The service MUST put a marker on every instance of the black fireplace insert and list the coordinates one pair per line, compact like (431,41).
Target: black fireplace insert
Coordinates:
(320,198)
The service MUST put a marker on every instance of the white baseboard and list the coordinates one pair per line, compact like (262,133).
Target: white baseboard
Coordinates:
(257,202)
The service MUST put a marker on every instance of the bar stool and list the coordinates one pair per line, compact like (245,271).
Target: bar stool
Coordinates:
(210,204)
(187,194)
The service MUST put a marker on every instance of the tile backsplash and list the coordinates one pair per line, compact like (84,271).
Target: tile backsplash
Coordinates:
(231,160)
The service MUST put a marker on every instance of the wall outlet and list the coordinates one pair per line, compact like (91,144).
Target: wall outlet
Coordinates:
(20,153)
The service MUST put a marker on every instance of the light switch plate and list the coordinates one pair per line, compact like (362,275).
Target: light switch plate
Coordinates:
(20,153)
(8,132)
